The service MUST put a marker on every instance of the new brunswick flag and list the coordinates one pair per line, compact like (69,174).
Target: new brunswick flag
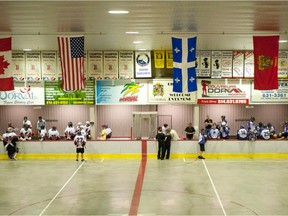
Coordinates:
(266,62)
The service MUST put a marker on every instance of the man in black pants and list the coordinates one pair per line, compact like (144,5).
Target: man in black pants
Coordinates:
(160,137)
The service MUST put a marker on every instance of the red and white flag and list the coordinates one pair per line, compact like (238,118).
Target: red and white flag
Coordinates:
(6,78)
(71,51)
(266,62)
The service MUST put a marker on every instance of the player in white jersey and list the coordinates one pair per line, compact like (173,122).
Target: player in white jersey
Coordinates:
(43,133)
(87,128)
(26,121)
(79,141)
(265,133)
(242,133)
(25,133)
(224,131)
(214,133)
(70,131)
(10,143)
(53,133)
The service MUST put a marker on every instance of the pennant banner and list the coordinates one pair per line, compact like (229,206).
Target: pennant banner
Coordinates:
(266,62)
(159,58)
(71,51)
(33,69)
(95,64)
(18,68)
(126,64)
(6,78)
(184,58)
(169,59)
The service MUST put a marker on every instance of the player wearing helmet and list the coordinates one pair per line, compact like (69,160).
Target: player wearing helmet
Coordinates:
(79,142)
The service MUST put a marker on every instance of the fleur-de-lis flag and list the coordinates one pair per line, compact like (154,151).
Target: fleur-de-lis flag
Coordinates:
(184,58)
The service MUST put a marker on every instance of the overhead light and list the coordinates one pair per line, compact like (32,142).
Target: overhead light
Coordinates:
(137,42)
(131,32)
(27,49)
(118,12)
(283,41)
(142,49)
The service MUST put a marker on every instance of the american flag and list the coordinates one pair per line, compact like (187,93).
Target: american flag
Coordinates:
(72,62)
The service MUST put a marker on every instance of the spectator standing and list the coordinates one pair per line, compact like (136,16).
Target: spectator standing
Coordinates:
(41,122)
(208,124)
(167,145)
(190,131)
(160,137)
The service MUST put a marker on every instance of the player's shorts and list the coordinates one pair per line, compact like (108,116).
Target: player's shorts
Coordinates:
(80,150)
(202,147)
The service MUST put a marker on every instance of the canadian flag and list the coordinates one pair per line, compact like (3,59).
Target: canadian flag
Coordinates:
(6,78)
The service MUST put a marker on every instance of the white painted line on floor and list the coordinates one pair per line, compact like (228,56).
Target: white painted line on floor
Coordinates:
(61,189)
(184,160)
(219,200)
(102,160)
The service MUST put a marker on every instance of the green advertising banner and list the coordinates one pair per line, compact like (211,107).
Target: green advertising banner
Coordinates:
(55,95)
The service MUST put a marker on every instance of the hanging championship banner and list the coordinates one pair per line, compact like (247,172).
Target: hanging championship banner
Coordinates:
(205,68)
(126,64)
(33,69)
(110,64)
(283,64)
(159,60)
(169,59)
(227,59)
(238,64)
(197,63)
(48,64)
(143,64)
(248,64)
(18,68)
(95,64)
(216,63)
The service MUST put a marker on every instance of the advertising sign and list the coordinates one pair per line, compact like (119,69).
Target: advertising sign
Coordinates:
(219,92)
(161,91)
(121,92)
(29,94)
(143,65)
(276,96)
(55,95)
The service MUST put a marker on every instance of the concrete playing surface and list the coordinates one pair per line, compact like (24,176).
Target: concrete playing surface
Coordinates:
(144,187)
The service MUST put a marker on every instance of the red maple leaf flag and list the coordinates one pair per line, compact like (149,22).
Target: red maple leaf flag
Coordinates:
(6,78)
(71,51)
(266,62)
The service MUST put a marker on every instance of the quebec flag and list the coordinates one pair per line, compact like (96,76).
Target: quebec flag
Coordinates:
(184,59)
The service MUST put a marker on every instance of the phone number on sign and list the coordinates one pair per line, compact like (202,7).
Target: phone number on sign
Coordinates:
(274,95)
